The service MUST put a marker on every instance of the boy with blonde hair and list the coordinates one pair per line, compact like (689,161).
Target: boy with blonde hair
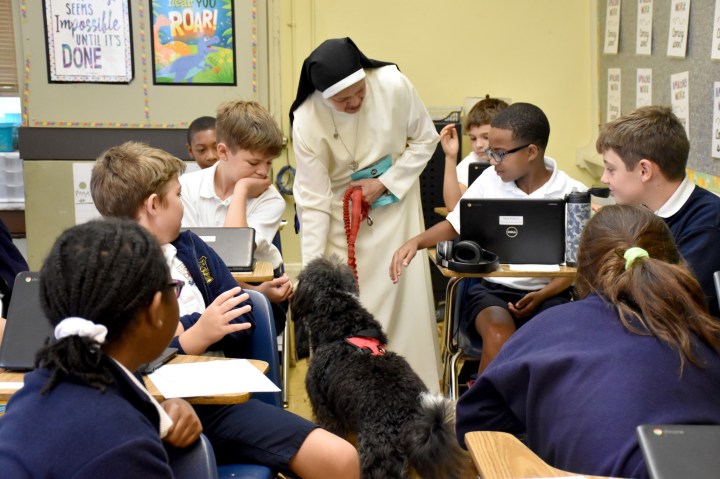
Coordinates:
(237,191)
(139,182)
(645,154)
(477,126)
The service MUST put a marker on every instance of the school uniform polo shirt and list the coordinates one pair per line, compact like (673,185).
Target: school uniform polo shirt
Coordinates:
(203,208)
(489,185)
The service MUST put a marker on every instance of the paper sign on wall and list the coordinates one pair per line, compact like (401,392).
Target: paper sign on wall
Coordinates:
(643,43)
(613,96)
(612,27)
(715,50)
(716,121)
(89,41)
(679,22)
(643,96)
(680,98)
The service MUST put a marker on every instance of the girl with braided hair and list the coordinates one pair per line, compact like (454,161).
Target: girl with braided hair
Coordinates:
(639,347)
(82,413)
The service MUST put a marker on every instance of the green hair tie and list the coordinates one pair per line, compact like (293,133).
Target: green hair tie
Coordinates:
(632,254)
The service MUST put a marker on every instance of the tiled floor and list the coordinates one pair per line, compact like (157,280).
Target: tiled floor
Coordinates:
(297,397)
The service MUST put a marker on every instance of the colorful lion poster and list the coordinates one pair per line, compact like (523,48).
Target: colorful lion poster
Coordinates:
(193,42)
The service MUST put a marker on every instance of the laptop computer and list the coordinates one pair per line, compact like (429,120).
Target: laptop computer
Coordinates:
(235,246)
(27,327)
(518,230)
(475,169)
(677,451)
(164,357)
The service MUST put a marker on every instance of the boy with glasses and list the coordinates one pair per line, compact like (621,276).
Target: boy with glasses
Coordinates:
(496,307)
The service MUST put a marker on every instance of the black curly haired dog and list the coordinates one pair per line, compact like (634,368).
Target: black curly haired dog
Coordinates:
(358,389)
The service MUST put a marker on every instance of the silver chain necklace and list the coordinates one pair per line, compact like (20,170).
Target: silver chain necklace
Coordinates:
(337,136)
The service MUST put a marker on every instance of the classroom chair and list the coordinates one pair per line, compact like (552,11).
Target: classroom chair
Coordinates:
(457,345)
(286,337)
(192,462)
(264,348)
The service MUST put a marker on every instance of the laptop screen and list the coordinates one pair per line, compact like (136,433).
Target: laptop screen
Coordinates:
(680,451)
(235,246)
(27,328)
(518,230)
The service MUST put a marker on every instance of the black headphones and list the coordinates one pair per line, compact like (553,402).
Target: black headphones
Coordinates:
(465,257)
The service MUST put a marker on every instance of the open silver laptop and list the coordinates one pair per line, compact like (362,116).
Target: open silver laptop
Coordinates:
(680,451)
(519,230)
(235,246)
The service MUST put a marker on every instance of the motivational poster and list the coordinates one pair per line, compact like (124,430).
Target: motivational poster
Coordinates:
(88,41)
(679,23)
(193,42)
(612,27)
(643,42)
(680,98)
(613,95)
(643,96)
(715,50)
(716,121)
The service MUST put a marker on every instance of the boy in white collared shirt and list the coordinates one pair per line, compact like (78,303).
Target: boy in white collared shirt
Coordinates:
(496,307)
(645,154)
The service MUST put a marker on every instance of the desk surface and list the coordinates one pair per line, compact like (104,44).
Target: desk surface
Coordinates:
(506,272)
(498,455)
(263,271)
(16,377)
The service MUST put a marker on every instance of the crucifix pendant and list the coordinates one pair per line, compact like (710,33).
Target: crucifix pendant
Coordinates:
(354,165)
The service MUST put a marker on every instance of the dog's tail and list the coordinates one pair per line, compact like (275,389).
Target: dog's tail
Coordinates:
(430,441)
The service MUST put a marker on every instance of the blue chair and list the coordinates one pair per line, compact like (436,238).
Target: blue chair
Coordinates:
(264,348)
(457,345)
(192,462)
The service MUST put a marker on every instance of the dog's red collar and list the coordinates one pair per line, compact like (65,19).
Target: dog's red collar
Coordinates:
(373,345)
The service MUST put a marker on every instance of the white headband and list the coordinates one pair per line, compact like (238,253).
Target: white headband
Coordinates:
(75,326)
(343,84)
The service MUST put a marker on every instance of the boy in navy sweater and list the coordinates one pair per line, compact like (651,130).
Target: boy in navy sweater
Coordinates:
(645,154)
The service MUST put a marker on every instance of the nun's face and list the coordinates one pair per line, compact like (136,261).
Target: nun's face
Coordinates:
(350,100)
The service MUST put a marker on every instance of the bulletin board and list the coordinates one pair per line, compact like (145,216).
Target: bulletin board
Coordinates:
(141,103)
(703,72)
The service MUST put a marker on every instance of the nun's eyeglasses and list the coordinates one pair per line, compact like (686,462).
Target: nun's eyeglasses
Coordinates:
(498,156)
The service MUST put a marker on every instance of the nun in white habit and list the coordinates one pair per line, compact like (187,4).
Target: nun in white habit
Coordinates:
(350,113)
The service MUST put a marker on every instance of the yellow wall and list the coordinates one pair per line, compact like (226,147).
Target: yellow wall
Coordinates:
(526,50)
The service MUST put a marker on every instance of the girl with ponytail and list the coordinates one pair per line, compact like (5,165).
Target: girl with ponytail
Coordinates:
(107,290)
(638,347)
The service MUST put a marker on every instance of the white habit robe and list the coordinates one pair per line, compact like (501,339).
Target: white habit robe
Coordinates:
(394,121)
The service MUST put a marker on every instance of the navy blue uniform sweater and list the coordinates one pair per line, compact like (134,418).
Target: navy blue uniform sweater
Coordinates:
(579,383)
(213,278)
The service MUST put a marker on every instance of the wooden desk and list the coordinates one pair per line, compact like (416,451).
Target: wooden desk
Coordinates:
(263,271)
(450,352)
(16,377)
(498,455)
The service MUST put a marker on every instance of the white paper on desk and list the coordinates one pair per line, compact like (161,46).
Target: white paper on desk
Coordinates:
(210,378)
(541,268)
(11,385)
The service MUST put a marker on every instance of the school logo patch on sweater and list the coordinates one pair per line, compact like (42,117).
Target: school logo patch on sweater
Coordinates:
(202,262)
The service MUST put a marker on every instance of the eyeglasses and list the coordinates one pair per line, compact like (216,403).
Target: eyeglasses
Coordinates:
(177,285)
(498,156)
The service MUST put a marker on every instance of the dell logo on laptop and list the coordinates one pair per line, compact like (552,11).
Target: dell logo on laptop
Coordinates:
(511,232)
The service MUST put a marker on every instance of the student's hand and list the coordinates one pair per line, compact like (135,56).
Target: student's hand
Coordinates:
(276,290)
(450,142)
(371,188)
(215,323)
(527,304)
(186,426)
(595,207)
(251,187)
(401,259)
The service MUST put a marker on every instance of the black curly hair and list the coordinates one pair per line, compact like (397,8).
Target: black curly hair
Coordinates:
(104,271)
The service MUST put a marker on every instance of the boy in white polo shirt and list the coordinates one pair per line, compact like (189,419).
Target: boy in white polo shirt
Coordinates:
(496,307)
(237,191)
